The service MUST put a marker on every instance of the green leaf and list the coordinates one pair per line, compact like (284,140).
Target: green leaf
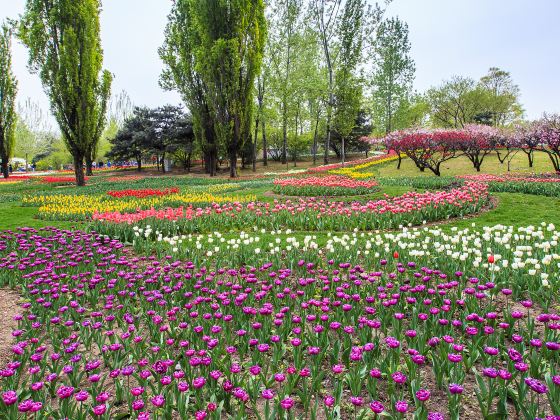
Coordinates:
(496,416)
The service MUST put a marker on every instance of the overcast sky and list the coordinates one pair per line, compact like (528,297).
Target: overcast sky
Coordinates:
(449,37)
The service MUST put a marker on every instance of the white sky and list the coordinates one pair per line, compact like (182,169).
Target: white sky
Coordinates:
(449,37)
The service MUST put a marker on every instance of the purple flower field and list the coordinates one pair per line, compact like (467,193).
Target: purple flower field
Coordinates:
(102,333)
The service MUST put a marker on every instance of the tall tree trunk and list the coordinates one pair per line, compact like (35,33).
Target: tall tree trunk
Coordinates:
(555,159)
(296,134)
(330,103)
(285,101)
(233,148)
(529,157)
(343,152)
(328,137)
(232,163)
(255,144)
(315,135)
(265,153)
(389,127)
(5,170)
(163,162)
(284,137)
(139,164)
(79,169)
(89,165)
(211,152)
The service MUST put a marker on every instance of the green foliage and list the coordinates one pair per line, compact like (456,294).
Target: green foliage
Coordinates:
(286,61)
(63,38)
(299,144)
(229,56)
(494,100)
(457,102)
(393,77)
(503,106)
(57,157)
(26,142)
(8,92)
(180,73)
(348,90)
(213,52)
(159,131)
(104,145)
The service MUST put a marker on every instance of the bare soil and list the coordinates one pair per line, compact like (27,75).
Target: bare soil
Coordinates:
(8,309)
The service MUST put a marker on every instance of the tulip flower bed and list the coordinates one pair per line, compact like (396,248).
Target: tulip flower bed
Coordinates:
(9,181)
(330,185)
(14,178)
(545,184)
(359,162)
(105,334)
(526,259)
(82,207)
(355,171)
(546,178)
(310,214)
(422,182)
(149,192)
(59,179)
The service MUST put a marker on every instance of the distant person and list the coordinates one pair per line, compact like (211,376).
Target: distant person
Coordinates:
(101,164)
(108,164)
(10,168)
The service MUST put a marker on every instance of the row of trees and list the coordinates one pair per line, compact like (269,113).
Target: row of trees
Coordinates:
(330,69)
(213,53)
(293,77)
(429,149)
(302,83)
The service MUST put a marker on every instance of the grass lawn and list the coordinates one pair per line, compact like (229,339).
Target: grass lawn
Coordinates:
(12,216)
(517,210)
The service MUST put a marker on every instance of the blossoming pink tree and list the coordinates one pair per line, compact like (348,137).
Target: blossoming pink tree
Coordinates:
(547,130)
(476,142)
(528,140)
(426,148)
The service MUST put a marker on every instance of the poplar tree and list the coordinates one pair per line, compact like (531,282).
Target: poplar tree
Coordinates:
(348,92)
(213,51)
(394,74)
(232,36)
(63,38)
(180,73)
(8,92)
